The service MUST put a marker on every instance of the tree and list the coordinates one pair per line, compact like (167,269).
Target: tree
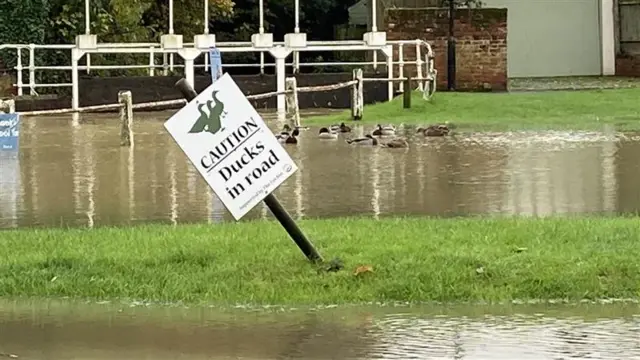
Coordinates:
(188,16)
(21,22)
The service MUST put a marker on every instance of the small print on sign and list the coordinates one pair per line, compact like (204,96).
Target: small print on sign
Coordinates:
(226,139)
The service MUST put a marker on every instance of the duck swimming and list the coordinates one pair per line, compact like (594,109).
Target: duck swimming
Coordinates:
(383,131)
(435,130)
(284,134)
(396,143)
(291,139)
(366,140)
(344,128)
(287,128)
(325,133)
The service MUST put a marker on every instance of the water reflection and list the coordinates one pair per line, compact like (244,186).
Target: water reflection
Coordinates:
(75,173)
(10,183)
(111,332)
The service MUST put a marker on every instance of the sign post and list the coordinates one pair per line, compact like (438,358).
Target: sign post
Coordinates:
(235,152)
(215,59)
(9,132)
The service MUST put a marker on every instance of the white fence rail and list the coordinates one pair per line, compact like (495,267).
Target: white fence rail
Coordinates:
(424,60)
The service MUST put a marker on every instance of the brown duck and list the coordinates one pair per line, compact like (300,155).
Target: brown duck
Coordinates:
(366,140)
(434,130)
(396,143)
(291,139)
(344,128)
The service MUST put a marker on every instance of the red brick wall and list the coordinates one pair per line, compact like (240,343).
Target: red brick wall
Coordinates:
(481,43)
(628,65)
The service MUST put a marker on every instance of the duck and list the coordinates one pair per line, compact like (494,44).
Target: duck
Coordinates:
(291,139)
(381,131)
(396,143)
(287,128)
(366,140)
(344,128)
(325,133)
(282,136)
(435,130)
(284,133)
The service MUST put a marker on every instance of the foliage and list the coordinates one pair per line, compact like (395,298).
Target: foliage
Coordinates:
(21,22)
(146,20)
(188,17)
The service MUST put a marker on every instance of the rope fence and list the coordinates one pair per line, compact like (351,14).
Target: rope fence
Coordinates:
(126,107)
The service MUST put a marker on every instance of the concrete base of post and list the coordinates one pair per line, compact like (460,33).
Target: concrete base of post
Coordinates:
(8,106)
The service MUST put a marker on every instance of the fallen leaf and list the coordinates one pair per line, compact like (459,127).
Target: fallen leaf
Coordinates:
(363,269)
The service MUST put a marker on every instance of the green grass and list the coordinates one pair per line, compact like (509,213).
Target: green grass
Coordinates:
(450,260)
(586,110)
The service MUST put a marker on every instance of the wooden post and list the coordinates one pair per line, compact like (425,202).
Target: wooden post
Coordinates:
(126,118)
(291,102)
(8,106)
(357,96)
(406,94)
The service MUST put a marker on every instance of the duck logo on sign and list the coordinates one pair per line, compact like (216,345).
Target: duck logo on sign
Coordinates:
(210,122)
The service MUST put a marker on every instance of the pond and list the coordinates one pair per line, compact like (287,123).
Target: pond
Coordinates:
(70,174)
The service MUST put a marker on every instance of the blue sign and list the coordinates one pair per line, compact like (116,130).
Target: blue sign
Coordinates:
(9,132)
(215,60)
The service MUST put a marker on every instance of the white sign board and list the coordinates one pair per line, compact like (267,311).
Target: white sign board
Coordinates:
(233,149)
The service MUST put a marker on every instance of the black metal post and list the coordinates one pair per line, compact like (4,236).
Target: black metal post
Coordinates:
(451,50)
(271,201)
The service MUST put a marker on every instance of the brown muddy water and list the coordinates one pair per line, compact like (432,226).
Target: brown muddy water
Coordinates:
(60,331)
(76,174)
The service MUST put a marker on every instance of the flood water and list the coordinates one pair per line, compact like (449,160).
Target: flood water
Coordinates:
(76,174)
(63,331)
(71,173)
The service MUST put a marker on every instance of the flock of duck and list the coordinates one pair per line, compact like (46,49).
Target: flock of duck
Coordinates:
(288,136)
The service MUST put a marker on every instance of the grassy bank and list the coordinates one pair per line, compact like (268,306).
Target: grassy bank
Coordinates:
(589,109)
(412,259)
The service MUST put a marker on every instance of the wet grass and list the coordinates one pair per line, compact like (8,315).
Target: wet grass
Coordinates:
(413,259)
(577,110)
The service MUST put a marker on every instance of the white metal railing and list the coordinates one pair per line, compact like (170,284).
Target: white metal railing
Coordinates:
(424,63)
(126,106)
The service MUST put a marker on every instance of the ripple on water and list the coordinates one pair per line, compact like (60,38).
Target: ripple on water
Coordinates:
(512,337)
(92,332)
(550,138)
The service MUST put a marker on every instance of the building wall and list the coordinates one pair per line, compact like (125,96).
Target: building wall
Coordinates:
(481,48)
(628,65)
(628,38)
(552,37)
(358,13)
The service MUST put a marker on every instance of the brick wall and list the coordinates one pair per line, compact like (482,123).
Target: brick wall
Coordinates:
(481,48)
(628,65)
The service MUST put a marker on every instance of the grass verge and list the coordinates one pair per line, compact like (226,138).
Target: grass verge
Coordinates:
(413,259)
(586,110)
